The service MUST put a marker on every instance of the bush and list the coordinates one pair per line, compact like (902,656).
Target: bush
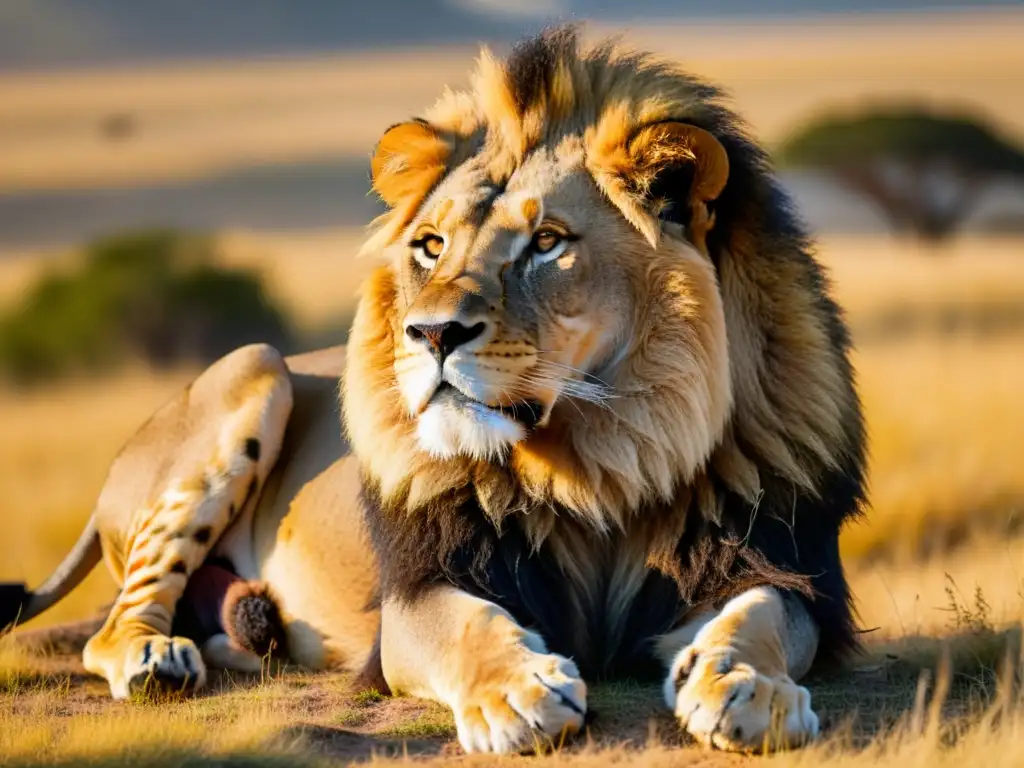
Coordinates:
(159,296)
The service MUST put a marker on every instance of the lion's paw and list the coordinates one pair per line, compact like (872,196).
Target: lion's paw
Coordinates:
(163,665)
(731,706)
(534,704)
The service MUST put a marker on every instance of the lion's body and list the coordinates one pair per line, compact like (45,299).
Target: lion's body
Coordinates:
(601,423)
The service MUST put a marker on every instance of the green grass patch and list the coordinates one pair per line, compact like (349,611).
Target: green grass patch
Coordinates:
(435,723)
(368,697)
(350,718)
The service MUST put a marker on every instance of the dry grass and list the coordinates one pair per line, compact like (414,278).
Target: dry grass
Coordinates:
(55,447)
(945,419)
(33,731)
(880,281)
(315,274)
(201,120)
(54,715)
(940,337)
(937,595)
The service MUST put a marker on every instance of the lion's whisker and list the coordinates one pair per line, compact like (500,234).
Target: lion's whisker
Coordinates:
(573,369)
(583,389)
(572,401)
(571,390)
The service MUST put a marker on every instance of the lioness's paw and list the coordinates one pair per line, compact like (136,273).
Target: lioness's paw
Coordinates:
(731,706)
(163,665)
(537,702)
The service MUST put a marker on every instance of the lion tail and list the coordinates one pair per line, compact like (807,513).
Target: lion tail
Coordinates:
(19,604)
(251,617)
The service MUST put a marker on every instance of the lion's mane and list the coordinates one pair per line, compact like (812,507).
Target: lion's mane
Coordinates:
(606,551)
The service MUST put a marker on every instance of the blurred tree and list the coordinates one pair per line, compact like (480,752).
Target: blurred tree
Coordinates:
(925,171)
(156,295)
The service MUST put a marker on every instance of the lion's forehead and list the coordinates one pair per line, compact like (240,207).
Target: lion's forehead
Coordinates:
(484,192)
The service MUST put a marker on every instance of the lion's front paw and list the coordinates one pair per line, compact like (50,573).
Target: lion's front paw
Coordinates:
(162,664)
(536,701)
(733,707)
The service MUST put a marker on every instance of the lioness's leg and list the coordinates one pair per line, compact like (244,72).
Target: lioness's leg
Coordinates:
(732,683)
(224,436)
(506,691)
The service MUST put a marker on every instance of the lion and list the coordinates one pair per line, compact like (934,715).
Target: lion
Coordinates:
(599,422)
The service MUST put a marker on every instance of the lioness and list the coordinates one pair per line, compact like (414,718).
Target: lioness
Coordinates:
(600,422)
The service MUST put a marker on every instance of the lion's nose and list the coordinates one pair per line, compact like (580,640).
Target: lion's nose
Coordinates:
(444,338)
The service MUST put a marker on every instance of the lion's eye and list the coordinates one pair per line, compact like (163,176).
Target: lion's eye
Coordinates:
(433,246)
(545,241)
(427,249)
(546,245)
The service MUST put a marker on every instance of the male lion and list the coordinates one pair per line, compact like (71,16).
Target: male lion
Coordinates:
(600,423)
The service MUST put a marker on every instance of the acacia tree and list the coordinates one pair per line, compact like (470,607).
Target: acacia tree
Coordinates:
(925,171)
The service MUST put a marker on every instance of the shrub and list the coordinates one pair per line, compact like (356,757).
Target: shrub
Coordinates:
(158,295)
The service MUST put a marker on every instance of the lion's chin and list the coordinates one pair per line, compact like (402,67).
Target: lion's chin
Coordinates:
(448,429)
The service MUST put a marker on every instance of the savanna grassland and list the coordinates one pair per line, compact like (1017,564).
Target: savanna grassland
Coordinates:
(937,564)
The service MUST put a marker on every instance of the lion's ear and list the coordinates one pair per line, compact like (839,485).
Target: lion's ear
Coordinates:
(660,147)
(407,162)
(667,165)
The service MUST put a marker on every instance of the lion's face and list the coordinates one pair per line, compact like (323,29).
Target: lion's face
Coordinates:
(550,325)
(512,299)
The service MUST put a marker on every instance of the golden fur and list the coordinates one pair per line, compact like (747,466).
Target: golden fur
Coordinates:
(744,648)
(693,409)
(778,386)
(597,387)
